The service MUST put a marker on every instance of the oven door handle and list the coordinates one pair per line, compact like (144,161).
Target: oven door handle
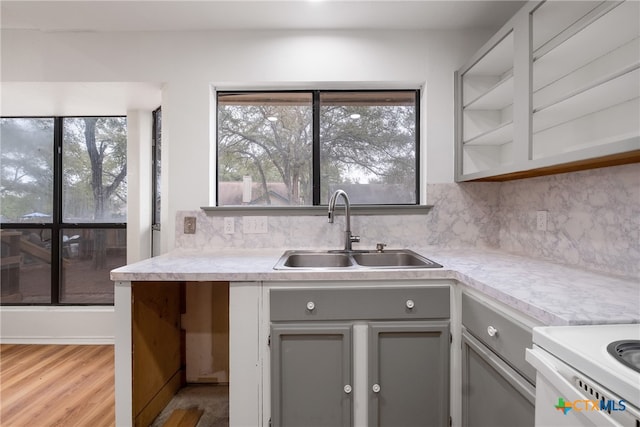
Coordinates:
(544,365)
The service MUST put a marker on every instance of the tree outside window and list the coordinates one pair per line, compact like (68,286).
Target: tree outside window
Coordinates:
(275,148)
(60,251)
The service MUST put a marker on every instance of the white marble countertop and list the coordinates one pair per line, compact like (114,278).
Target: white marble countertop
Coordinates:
(552,293)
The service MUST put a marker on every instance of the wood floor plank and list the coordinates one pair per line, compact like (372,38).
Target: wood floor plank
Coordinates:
(56,385)
(184,418)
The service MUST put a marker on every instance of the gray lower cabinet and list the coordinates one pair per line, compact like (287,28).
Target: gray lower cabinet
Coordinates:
(493,394)
(497,386)
(409,374)
(312,376)
(407,355)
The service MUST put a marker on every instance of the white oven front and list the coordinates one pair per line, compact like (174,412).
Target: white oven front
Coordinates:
(566,397)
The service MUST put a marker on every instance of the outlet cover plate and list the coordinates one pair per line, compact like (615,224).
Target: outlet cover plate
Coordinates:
(541,220)
(189,225)
(229,225)
(254,224)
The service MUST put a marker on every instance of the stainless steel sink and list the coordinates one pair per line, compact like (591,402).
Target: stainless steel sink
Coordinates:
(343,260)
(394,258)
(317,260)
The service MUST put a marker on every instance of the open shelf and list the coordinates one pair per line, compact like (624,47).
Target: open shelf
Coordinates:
(598,71)
(497,97)
(496,136)
(614,29)
(603,128)
(553,18)
(615,90)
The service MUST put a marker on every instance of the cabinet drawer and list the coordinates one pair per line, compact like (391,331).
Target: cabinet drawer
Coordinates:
(360,304)
(509,339)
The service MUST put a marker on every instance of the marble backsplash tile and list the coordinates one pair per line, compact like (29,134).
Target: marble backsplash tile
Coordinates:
(462,216)
(593,219)
(303,232)
(593,222)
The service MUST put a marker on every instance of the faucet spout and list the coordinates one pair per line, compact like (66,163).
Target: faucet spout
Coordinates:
(348,237)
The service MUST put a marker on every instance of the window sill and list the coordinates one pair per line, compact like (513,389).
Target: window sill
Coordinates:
(314,210)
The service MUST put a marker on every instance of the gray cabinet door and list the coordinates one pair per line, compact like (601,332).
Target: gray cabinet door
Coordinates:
(311,376)
(493,394)
(408,374)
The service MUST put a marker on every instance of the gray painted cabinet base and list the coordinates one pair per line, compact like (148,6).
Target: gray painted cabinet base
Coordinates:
(387,346)
(409,362)
(493,394)
(311,371)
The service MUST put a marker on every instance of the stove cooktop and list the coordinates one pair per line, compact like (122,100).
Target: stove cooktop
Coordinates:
(626,352)
(585,349)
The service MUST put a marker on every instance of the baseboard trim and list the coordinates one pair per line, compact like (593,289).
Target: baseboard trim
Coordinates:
(57,325)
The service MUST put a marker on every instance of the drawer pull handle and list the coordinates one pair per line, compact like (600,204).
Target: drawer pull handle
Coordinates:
(410,304)
(492,331)
(376,388)
(347,389)
(311,305)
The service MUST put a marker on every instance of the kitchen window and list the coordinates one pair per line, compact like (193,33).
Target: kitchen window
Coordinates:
(296,148)
(63,202)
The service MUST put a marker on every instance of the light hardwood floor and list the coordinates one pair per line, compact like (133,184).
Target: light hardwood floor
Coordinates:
(56,385)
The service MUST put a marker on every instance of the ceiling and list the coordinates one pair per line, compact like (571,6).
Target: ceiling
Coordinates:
(159,15)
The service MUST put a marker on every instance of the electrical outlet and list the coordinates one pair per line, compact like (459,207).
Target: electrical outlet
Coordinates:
(541,220)
(189,225)
(254,224)
(229,225)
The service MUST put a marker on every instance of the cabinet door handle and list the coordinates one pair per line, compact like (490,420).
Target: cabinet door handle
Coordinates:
(410,304)
(347,388)
(376,388)
(492,331)
(311,305)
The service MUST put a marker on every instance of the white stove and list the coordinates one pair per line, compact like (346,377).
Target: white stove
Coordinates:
(579,383)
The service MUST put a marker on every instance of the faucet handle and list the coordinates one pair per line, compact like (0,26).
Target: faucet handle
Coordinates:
(354,239)
(380,247)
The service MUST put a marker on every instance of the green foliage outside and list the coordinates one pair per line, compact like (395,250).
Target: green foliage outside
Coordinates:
(364,145)
(93,162)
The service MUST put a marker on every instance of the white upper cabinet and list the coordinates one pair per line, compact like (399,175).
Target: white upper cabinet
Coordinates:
(573,101)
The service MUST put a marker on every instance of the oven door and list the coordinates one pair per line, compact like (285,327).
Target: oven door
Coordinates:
(555,386)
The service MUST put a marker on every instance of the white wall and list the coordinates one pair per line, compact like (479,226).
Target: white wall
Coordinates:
(57,325)
(189,64)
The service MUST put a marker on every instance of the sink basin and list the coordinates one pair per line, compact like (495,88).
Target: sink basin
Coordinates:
(317,260)
(402,258)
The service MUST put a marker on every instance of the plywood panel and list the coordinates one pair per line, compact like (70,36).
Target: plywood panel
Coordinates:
(220,328)
(157,360)
(206,323)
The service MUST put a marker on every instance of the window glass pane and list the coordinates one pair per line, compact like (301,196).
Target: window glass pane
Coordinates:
(26,170)
(94,161)
(88,255)
(25,266)
(368,146)
(264,148)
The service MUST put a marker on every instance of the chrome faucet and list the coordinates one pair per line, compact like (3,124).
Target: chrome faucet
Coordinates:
(348,237)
